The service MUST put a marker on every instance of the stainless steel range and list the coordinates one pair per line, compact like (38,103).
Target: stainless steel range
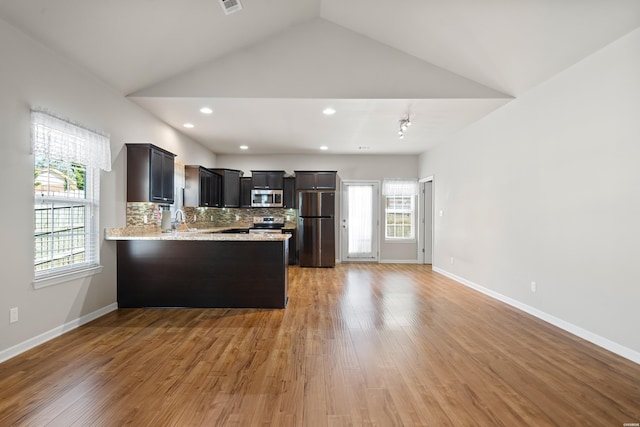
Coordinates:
(267,224)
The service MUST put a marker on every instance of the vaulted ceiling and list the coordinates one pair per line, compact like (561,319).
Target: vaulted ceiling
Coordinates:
(269,70)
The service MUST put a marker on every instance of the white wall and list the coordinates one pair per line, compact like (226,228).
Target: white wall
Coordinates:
(354,167)
(547,189)
(31,75)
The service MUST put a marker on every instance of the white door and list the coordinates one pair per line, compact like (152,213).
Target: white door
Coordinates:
(359,221)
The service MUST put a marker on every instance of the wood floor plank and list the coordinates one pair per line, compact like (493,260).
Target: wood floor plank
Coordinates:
(358,345)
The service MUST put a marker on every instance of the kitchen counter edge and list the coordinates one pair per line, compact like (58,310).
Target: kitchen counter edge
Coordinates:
(209,234)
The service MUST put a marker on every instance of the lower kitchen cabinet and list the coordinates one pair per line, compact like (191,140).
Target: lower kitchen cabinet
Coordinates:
(293,253)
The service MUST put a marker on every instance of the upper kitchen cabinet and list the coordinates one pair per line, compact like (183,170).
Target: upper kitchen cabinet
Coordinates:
(245,191)
(315,180)
(268,180)
(149,174)
(289,193)
(230,187)
(202,187)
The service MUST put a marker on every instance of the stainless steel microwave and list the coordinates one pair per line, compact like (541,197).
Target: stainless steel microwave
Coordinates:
(266,198)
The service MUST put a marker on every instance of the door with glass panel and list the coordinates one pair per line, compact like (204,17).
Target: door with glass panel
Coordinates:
(359,221)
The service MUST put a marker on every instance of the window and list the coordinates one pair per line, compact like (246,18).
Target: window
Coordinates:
(68,159)
(400,207)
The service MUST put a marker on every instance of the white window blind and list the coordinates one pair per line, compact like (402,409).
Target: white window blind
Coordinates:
(400,187)
(68,158)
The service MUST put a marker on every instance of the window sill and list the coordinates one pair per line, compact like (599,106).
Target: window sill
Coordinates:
(400,241)
(66,277)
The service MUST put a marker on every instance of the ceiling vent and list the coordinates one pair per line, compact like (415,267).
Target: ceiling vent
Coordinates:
(230,6)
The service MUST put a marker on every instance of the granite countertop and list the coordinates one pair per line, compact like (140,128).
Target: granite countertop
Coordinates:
(136,233)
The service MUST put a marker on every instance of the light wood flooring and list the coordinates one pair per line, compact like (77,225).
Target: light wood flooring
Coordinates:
(375,345)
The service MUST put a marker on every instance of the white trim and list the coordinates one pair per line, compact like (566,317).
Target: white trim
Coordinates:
(66,277)
(393,240)
(376,220)
(399,261)
(605,343)
(55,332)
(422,226)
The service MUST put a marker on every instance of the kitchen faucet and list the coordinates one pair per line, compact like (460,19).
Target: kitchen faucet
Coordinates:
(176,222)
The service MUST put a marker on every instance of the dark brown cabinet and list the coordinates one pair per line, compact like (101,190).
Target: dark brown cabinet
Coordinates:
(293,253)
(289,193)
(149,174)
(204,273)
(268,180)
(315,180)
(202,187)
(245,192)
(230,196)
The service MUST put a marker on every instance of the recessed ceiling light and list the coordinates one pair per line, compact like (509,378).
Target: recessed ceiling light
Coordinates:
(188,125)
(328,111)
(244,147)
(324,147)
(206,110)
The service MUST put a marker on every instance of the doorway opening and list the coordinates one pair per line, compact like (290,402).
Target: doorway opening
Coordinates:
(427,220)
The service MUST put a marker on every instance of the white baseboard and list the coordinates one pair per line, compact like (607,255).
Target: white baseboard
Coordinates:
(605,343)
(398,261)
(55,332)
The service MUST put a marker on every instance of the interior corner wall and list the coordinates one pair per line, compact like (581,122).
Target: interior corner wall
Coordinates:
(33,75)
(546,190)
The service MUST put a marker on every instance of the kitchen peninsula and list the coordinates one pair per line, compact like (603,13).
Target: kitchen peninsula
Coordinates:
(202,268)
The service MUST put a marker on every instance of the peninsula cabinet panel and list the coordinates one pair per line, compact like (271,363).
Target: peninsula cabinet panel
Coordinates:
(150,174)
(233,274)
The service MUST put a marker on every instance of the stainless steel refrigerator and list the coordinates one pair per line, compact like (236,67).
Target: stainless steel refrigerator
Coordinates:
(316,229)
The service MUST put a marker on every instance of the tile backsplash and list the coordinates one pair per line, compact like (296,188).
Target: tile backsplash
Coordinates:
(147,215)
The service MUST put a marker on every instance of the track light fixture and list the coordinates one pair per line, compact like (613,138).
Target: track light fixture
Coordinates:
(404,124)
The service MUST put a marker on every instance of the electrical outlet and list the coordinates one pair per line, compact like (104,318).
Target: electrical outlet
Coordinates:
(145,219)
(451,261)
(533,286)
(13,315)
(211,218)
(195,218)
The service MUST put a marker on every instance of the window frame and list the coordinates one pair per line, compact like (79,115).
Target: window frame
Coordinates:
(50,205)
(55,275)
(411,211)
